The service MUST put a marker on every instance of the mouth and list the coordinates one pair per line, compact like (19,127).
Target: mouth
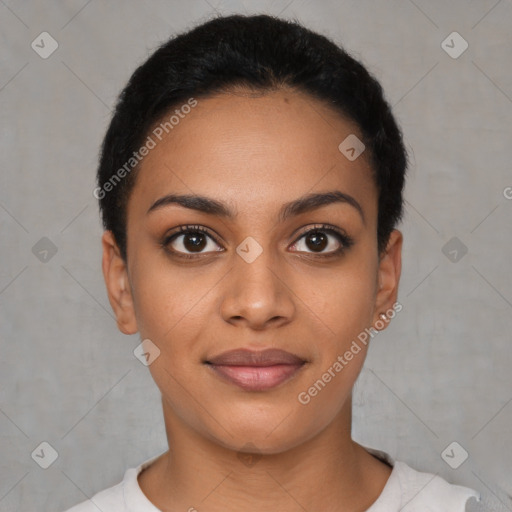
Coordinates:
(256,371)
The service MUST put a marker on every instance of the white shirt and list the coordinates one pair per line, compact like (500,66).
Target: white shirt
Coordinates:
(406,490)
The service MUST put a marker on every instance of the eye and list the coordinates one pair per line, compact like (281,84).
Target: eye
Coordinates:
(323,240)
(191,240)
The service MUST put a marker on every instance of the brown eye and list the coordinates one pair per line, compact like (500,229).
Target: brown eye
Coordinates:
(194,242)
(316,241)
(323,241)
(191,241)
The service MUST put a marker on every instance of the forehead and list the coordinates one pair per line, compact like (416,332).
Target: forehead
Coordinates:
(258,150)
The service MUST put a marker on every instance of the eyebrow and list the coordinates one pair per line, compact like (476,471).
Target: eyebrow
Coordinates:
(303,204)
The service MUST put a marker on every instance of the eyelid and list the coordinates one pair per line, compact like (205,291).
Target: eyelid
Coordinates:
(304,230)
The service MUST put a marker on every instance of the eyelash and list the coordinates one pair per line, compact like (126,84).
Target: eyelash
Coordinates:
(345,241)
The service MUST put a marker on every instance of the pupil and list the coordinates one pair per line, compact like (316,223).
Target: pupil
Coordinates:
(318,240)
(194,241)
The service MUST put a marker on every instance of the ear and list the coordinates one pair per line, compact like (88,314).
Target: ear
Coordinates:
(390,267)
(118,286)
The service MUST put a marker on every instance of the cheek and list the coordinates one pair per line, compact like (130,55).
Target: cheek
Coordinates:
(340,302)
(344,309)
(354,309)
(171,307)
(170,302)
(341,347)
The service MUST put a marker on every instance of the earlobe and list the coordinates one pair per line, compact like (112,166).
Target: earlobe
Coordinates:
(119,291)
(390,267)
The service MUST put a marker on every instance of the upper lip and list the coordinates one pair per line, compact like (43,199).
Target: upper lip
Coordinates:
(246,357)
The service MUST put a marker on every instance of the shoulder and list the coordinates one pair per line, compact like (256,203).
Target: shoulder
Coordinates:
(409,490)
(115,499)
(108,500)
(427,492)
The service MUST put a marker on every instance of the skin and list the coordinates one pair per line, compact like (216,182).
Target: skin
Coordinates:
(255,153)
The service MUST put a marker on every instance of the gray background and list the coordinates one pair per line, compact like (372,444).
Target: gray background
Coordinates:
(439,373)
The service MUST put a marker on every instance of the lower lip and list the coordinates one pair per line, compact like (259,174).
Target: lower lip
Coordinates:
(257,378)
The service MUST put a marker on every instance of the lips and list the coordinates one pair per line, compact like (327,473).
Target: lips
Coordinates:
(256,371)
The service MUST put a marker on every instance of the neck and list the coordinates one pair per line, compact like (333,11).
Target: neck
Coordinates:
(327,472)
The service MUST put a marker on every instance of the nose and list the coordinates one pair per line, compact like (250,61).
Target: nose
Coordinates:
(258,294)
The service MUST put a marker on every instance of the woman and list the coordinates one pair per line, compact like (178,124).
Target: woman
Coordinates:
(250,185)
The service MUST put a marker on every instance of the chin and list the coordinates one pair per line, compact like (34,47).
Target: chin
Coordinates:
(267,434)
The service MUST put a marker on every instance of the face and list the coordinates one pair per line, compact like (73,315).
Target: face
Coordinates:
(281,253)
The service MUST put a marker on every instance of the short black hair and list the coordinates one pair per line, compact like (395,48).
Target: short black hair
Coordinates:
(260,53)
